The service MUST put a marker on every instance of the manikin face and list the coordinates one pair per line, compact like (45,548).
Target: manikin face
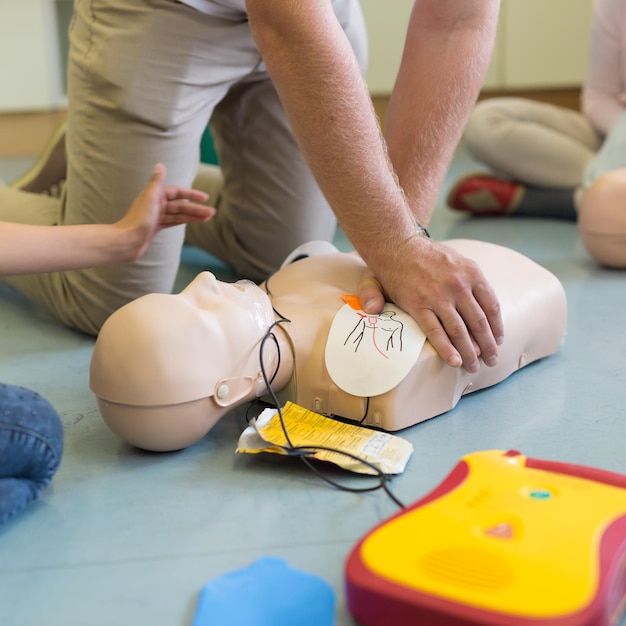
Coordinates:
(167,349)
(242,301)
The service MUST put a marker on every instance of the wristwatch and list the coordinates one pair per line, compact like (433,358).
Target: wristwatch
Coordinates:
(423,231)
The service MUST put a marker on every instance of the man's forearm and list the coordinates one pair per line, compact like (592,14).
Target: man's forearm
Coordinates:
(330,110)
(326,99)
(447,52)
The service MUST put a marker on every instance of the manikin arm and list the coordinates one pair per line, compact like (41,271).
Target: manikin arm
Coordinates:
(26,249)
(379,205)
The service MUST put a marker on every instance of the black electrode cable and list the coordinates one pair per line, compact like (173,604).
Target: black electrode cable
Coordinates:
(306,451)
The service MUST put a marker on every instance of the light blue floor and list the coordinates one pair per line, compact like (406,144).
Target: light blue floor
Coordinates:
(129,538)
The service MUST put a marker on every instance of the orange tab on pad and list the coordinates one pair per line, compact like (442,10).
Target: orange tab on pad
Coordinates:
(353,301)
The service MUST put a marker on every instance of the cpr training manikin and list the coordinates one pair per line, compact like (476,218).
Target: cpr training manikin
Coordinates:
(167,367)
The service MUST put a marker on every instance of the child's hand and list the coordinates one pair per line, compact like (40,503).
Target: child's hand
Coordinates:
(158,207)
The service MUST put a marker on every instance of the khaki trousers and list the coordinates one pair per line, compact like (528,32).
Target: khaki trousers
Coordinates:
(532,142)
(144,79)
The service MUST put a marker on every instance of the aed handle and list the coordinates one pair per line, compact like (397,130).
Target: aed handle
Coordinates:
(580,471)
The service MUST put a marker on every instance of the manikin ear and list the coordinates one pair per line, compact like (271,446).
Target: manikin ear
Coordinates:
(230,391)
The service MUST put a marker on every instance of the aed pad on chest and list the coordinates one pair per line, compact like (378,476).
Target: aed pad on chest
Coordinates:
(504,540)
(368,355)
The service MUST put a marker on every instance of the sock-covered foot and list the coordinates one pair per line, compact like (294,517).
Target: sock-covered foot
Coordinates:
(48,174)
(484,194)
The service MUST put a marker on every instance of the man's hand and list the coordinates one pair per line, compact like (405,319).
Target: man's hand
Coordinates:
(448,296)
(158,207)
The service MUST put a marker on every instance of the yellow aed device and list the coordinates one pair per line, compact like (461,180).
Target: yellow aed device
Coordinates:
(504,540)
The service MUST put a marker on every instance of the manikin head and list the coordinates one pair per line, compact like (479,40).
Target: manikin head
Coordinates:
(166,367)
(602,219)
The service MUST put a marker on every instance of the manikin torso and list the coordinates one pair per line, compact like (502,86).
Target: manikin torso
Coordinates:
(166,367)
(309,293)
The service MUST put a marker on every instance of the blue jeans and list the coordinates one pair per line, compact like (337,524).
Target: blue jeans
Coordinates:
(31,445)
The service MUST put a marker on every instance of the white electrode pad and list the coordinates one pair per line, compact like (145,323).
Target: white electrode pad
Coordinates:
(367,355)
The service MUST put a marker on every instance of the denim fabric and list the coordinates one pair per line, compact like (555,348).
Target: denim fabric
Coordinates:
(31,445)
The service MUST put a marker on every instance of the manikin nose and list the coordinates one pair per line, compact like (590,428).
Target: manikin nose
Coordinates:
(204,282)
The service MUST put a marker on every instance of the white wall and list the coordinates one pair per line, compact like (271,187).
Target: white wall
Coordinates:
(543,43)
(539,44)
(386,25)
(29,61)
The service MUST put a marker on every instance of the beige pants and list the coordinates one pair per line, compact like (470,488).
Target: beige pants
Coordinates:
(532,142)
(144,79)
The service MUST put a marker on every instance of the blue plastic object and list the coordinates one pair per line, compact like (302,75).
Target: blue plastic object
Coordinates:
(266,593)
